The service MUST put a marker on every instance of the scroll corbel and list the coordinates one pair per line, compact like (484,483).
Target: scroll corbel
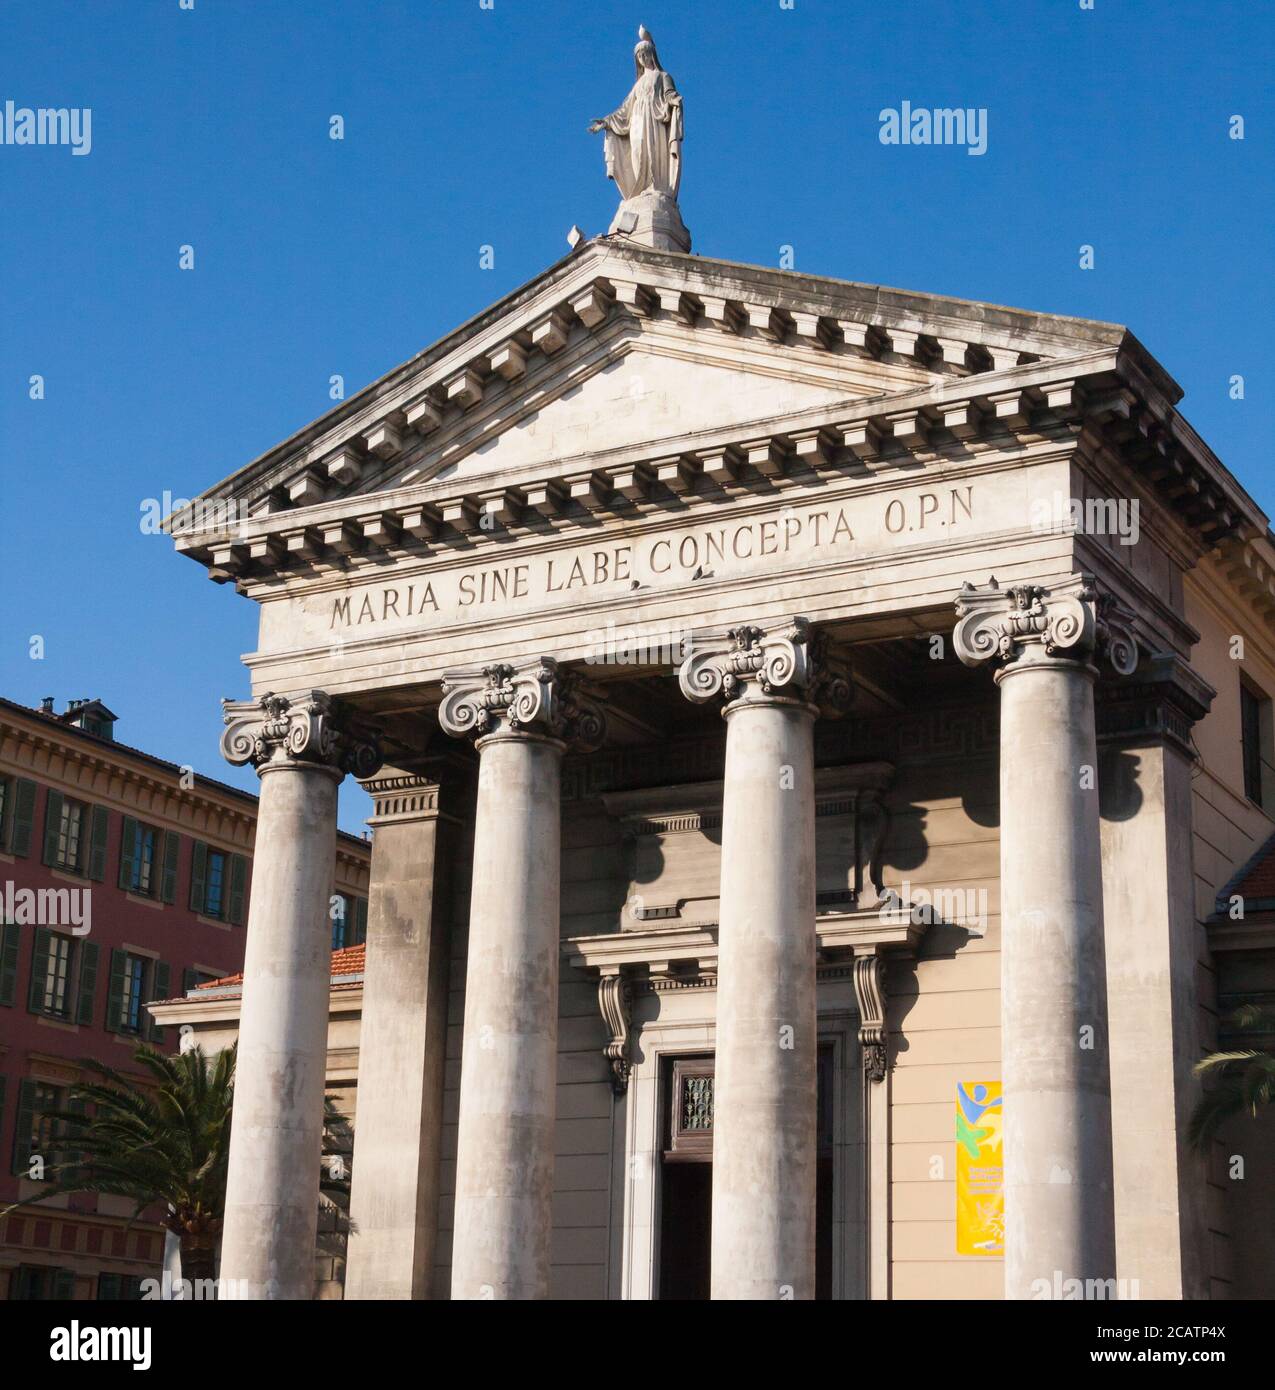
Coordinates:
(614,1001)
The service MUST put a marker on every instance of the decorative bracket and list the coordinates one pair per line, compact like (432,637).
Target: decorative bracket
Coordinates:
(614,1001)
(683,956)
(869,994)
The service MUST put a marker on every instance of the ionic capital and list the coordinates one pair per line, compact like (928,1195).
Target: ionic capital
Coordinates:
(310,731)
(782,660)
(1073,620)
(530,698)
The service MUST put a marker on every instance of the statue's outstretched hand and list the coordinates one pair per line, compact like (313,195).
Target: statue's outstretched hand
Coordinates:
(595,126)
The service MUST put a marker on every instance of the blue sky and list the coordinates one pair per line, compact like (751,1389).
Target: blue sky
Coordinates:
(465,127)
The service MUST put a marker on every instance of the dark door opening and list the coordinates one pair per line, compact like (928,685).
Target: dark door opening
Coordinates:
(686,1179)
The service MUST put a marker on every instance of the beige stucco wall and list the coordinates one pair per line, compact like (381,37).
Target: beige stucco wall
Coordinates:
(944,1020)
(1228,830)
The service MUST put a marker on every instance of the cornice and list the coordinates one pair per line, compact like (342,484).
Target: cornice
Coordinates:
(85,770)
(966,426)
(951,424)
(1238,577)
(537,317)
(1254,932)
(800,486)
(663,950)
(345,996)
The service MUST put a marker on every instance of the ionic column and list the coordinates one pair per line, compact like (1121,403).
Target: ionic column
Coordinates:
(403,1043)
(764,1125)
(1043,643)
(522,717)
(301,750)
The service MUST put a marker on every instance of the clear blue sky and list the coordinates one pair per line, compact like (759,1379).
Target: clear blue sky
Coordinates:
(466,126)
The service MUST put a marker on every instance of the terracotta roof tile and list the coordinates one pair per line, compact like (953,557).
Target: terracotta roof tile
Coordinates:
(1254,882)
(348,960)
(1259,878)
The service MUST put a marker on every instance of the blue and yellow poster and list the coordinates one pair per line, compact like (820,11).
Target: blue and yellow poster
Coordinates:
(980,1195)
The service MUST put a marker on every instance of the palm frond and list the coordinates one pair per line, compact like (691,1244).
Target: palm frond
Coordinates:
(1242,1080)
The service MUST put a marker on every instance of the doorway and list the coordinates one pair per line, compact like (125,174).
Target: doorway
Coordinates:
(686,1178)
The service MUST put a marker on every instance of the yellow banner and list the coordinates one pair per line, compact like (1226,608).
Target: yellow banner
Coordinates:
(980,1196)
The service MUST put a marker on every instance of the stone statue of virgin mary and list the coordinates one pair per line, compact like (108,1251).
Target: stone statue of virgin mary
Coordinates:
(643,151)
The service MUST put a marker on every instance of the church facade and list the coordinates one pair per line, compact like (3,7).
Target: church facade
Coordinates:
(810,727)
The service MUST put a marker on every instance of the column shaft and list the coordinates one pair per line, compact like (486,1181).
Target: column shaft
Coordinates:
(272,1189)
(764,1130)
(1057,1128)
(505,1143)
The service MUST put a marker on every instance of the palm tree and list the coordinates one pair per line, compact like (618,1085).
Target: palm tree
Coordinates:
(167,1143)
(1244,1079)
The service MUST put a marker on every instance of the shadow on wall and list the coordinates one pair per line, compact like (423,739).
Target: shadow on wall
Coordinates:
(1120,796)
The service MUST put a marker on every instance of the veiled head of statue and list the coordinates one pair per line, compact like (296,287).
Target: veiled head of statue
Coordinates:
(644,54)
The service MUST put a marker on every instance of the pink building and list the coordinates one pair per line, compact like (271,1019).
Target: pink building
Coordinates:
(122,879)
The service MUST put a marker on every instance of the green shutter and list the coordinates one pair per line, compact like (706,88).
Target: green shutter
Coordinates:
(63,1285)
(87,984)
(238,886)
(101,829)
(190,979)
(198,877)
(160,976)
(9,939)
(168,884)
(22,1127)
(128,853)
(115,992)
(52,824)
(360,922)
(23,818)
(108,1287)
(39,971)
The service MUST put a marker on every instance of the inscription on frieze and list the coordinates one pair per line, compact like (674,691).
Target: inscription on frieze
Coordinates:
(626,561)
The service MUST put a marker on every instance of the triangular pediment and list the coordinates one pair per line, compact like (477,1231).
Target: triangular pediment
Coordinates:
(652,385)
(624,382)
(618,347)
(646,396)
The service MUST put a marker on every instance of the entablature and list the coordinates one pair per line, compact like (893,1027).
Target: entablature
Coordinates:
(945,426)
(948,428)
